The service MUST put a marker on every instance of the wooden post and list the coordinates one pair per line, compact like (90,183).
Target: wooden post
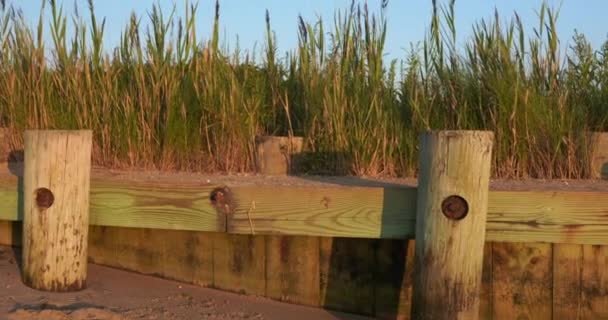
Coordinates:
(57,168)
(452,205)
(274,155)
(599,156)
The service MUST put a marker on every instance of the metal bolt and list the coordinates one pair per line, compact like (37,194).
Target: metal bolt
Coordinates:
(455,207)
(44,198)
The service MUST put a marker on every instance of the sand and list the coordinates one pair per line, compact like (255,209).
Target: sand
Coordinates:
(113,294)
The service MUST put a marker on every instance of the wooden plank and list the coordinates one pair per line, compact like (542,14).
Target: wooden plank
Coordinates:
(330,211)
(178,255)
(393,280)
(522,285)
(11,198)
(347,268)
(292,269)
(239,263)
(10,233)
(188,256)
(595,282)
(325,211)
(486,293)
(544,216)
(154,205)
(567,280)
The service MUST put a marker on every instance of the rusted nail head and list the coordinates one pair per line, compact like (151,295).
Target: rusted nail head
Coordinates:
(44,198)
(455,207)
(221,199)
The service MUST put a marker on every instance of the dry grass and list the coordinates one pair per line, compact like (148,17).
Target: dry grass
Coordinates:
(165,99)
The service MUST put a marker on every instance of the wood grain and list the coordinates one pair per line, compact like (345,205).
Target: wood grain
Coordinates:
(556,217)
(522,286)
(155,205)
(567,281)
(450,238)
(344,212)
(292,269)
(577,217)
(56,209)
(239,263)
(595,282)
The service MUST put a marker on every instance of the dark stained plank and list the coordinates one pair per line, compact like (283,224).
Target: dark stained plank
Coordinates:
(292,269)
(522,287)
(178,255)
(595,282)
(188,256)
(394,279)
(347,268)
(567,276)
(239,263)
(486,292)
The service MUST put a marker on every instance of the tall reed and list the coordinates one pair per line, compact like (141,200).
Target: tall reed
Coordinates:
(165,98)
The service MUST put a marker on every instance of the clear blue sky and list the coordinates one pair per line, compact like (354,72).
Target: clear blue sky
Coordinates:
(407,20)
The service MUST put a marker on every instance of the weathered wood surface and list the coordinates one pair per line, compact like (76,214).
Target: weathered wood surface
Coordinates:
(239,263)
(595,282)
(56,184)
(327,209)
(155,205)
(567,281)
(452,207)
(188,256)
(522,286)
(394,279)
(548,216)
(599,156)
(347,267)
(324,211)
(274,155)
(487,291)
(292,269)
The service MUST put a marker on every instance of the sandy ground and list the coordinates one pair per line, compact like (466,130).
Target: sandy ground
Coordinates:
(12,169)
(115,294)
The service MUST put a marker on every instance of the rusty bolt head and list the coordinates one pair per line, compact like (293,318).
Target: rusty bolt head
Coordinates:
(44,198)
(455,207)
(221,199)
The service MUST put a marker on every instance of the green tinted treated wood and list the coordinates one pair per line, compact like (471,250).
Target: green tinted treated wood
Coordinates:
(548,216)
(325,211)
(154,205)
(343,211)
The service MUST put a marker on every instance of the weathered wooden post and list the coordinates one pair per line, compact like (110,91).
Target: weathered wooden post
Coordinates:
(57,167)
(452,203)
(274,154)
(599,156)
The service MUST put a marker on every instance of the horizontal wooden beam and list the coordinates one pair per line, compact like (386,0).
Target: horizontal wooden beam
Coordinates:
(324,209)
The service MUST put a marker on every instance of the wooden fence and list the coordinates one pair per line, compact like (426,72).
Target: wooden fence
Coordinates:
(340,243)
